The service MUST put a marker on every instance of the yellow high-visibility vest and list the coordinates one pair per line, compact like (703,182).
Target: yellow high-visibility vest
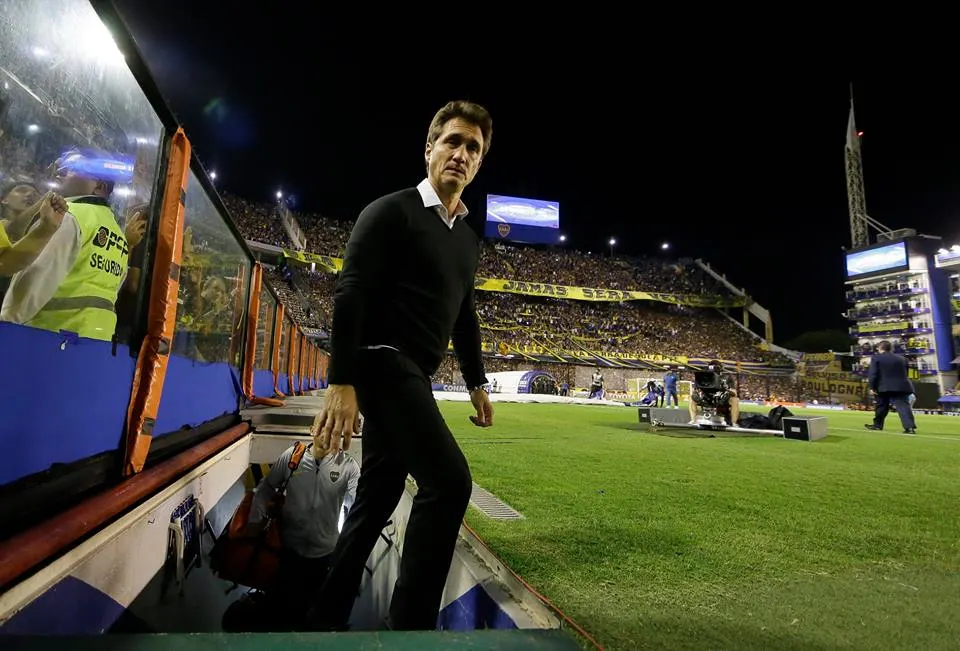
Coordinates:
(85,302)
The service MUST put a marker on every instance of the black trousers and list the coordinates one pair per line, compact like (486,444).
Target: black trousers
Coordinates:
(403,433)
(297,579)
(284,605)
(897,400)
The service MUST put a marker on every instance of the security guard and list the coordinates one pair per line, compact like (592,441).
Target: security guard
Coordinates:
(73,284)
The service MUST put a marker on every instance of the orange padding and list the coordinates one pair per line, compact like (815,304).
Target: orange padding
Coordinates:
(154,354)
(266,402)
(324,362)
(277,340)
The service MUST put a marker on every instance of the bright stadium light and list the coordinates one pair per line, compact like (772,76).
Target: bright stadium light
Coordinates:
(613,241)
(213,175)
(279,194)
(563,238)
(665,246)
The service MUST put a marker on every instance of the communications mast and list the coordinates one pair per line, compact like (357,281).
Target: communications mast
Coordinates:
(860,221)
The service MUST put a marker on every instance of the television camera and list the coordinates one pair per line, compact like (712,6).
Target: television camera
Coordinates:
(712,396)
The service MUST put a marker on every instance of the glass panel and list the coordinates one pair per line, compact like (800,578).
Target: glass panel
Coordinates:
(268,309)
(293,359)
(213,284)
(73,121)
(284,346)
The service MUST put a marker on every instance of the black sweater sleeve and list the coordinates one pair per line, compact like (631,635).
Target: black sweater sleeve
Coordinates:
(364,266)
(466,343)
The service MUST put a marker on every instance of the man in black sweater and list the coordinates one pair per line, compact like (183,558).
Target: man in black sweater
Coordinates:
(405,290)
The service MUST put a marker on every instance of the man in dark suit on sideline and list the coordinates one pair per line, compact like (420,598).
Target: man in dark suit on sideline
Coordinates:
(889,383)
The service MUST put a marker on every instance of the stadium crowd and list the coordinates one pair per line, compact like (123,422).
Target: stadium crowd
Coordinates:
(260,223)
(257,221)
(559,266)
(636,327)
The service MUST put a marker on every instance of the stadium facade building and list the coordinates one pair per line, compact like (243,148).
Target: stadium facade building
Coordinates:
(903,289)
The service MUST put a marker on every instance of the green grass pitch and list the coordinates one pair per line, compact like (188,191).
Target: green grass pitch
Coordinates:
(651,541)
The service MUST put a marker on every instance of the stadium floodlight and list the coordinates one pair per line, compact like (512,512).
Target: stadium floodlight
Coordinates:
(563,238)
(213,175)
(279,194)
(665,246)
(613,241)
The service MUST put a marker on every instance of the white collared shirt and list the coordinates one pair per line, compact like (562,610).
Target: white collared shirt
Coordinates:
(432,200)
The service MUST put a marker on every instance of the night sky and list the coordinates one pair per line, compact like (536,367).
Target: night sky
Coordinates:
(729,163)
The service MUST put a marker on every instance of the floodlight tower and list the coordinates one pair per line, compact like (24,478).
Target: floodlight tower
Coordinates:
(860,221)
(856,198)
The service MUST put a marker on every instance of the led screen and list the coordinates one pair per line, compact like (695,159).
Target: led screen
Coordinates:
(892,257)
(522,220)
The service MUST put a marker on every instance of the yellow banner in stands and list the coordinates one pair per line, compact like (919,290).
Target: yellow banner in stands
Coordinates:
(819,357)
(658,359)
(834,387)
(883,327)
(530,349)
(594,294)
(333,265)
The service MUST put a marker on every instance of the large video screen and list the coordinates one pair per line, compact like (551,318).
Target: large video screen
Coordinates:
(883,259)
(522,220)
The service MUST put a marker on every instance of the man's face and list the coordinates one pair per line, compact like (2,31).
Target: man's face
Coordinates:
(21,197)
(70,184)
(453,160)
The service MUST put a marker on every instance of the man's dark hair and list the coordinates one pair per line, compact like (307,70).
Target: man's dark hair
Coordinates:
(468,111)
(10,186)
(884,346)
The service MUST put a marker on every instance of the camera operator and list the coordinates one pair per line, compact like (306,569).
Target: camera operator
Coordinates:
(696,395)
